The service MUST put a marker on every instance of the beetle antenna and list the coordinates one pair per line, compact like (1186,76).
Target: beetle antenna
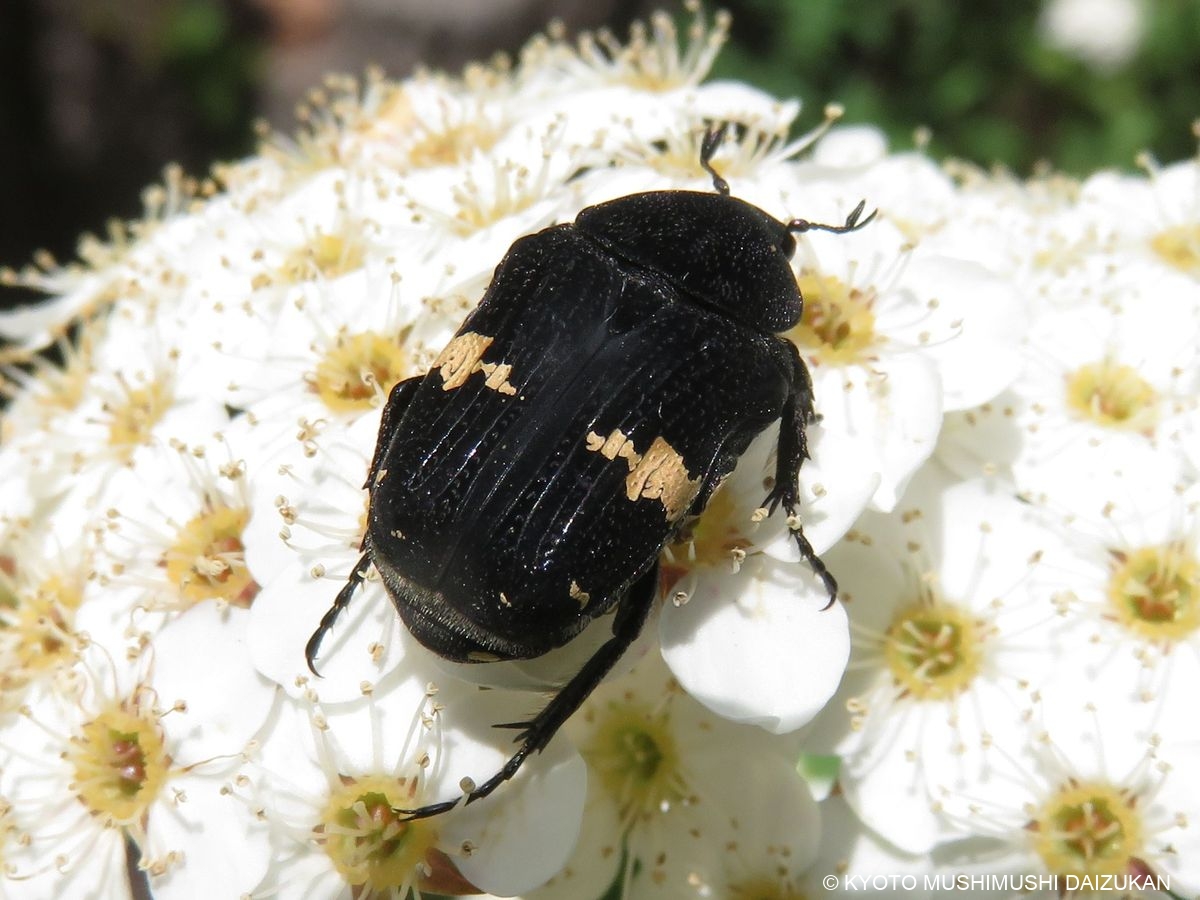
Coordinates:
(708,147)
(852,222)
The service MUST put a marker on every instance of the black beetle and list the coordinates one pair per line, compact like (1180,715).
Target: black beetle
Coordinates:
(610,378)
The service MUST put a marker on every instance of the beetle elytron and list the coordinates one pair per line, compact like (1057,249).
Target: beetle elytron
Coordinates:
(610,378)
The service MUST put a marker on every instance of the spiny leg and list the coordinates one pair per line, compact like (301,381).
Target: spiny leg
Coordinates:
(339,604)
(398,400)
(535,734)
(790,454)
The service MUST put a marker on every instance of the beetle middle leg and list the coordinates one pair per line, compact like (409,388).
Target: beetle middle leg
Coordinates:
(631,614)
(790,455)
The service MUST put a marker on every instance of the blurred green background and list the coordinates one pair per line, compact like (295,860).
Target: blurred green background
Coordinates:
(97,95)
(1081,84)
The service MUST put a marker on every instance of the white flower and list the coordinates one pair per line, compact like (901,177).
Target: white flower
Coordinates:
(174,526)
(853,860)
(95,762)
(680,801)
(141,393)
(1089,797)
(129,264)
(947,629)
(894,338)
(182,500)
(1152,219)
(1103,33)
(751,635)
(1129,600)
(43,589)
(333,782)
(311,509)
(1104,408)
(757,836)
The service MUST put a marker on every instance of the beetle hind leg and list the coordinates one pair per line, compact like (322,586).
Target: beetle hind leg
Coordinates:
(357,575)
(535,734)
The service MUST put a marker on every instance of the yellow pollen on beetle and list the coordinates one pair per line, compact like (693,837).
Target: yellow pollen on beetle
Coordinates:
(369,841)
(633,752)
(120,765)
(1179,247)
(357,368)
(660,474)
(838,324)
(207,560)
(1113,396)
(462,358)
(1088,829)
(579,595)
(933,650)
(1155,591)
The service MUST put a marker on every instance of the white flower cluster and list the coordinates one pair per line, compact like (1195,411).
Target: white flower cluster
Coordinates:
(1003,481)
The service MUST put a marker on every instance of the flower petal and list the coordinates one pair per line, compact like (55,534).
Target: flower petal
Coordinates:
(759,647)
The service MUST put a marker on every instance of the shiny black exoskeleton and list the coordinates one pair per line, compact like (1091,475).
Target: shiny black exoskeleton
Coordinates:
(611,377)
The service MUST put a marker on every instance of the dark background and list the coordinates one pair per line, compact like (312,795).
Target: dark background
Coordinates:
(96,96)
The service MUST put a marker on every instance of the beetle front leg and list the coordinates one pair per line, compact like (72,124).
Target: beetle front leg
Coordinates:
(535,734)
(791,453)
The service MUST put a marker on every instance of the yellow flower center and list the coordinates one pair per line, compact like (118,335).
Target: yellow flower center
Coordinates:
(514,189)
(120,765)
(1155,591)
(1179,247)
(62,387)
(1088,829)
(369,840)
(712,541)
(1113,396)
(452,142)
(35,632)
(838,324)
(653,59)
(357,367)
(134,415)
(9,597)
(207,561)
(328,255)
(933,650)
(633,752)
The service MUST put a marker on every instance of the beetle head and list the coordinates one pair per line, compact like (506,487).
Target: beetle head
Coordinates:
(716,249)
